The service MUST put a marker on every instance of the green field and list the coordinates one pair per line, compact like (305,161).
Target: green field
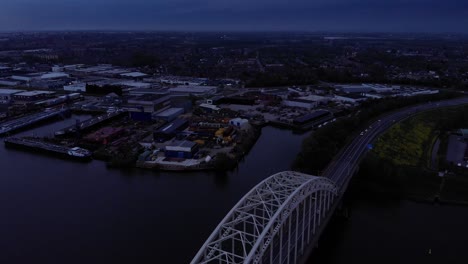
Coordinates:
(400,161)
(406,143)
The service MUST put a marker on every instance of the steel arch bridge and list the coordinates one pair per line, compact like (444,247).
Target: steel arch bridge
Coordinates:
(275,222)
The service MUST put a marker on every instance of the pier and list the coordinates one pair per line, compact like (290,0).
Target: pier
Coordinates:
(11,126)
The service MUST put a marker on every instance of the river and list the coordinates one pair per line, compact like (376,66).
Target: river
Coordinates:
(59,211)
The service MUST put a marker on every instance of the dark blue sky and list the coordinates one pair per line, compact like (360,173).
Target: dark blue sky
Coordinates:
(284,15)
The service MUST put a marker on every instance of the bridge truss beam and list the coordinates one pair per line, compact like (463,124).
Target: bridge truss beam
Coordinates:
(273,223)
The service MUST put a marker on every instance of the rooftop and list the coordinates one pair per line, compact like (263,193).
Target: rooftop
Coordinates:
(33,93)
(170,112)
(182,144)
(134,74)
(193,89)
(53,75)
(10,91)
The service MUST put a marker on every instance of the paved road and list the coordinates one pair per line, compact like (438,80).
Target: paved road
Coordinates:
(343,165)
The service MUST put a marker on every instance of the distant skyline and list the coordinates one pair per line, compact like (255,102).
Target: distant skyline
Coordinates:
(236,15)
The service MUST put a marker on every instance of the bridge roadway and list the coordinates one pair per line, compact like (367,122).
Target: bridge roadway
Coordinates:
(347,160)
(281,219)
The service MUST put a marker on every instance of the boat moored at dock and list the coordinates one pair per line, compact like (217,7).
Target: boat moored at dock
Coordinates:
(38,145)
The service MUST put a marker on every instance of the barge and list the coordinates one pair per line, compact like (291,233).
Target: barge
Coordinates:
(49,148)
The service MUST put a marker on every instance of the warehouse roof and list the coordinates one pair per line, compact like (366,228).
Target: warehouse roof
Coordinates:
(134,74)
(54,75)
(10,91)
(170,112)
(33,93)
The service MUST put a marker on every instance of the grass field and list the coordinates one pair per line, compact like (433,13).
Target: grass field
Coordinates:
(406,143)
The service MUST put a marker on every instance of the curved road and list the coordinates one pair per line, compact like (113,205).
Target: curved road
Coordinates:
(342,167)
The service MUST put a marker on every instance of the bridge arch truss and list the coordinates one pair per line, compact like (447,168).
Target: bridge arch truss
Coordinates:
(275,222)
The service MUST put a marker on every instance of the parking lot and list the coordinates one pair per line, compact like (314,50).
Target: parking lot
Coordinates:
(456,151)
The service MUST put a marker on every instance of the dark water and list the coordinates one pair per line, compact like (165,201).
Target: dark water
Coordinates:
(59,211)
(396,232)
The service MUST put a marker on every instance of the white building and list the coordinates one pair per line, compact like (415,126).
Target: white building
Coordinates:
(239,123)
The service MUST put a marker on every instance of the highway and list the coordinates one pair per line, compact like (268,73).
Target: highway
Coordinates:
(342,167)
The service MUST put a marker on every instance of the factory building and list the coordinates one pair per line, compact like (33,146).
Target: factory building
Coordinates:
(301,103)
(6,95)
(352,88)
(150,103)
(9,82)
(181,149)
(32,96)
(193,90)
(134,75)
(75,87)
(239,123)
(313,118)
(170,130)
(350,98)
(169,114)
(181,80)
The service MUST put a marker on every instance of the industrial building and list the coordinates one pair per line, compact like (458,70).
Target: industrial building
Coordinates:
(353,88)
(150,103)
(181,149)
(239,123)
(7,94)
(182,80)
(313,118)
(75,87)
(301,103)
(169,114)
(9,82)
(193,90)
(140,116)
(32,96)
(170,130)
(133,84)
(135,75)
(350,98)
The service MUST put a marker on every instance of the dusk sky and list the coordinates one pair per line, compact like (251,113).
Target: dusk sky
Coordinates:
(284,15)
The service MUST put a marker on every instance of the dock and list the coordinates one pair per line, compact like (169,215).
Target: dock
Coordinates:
(12,126)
